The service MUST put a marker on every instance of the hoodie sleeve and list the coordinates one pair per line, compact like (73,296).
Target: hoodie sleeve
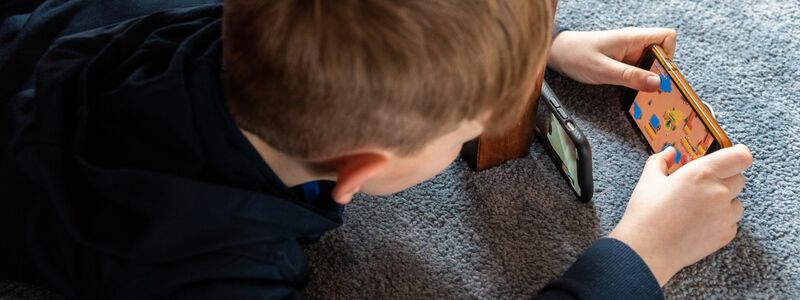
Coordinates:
(608,269)
(557,29)
(262,271)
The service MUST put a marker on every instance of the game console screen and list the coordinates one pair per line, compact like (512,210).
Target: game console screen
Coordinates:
(666,119)
(563,146)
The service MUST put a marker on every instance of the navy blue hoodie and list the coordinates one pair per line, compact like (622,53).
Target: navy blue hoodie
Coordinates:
(123,177)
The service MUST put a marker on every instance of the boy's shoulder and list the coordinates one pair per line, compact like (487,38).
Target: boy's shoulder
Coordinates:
(130,162)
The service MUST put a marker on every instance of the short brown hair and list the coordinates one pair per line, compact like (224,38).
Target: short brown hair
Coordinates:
(316,78)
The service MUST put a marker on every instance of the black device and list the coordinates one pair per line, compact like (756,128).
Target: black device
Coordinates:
(564,143)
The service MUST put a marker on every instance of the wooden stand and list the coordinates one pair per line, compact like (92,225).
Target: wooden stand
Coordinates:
(489,151)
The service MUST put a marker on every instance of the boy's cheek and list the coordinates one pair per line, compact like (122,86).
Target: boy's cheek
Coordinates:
(396,182)
(409,173)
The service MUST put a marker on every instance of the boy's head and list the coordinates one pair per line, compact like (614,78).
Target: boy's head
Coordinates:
(385,91)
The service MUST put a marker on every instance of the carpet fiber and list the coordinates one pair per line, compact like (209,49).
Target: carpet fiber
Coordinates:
(505,232)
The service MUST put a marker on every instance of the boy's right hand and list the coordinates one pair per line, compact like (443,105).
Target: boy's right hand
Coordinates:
(674,221)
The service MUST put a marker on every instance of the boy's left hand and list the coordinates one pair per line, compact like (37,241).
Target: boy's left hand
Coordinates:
(609,57)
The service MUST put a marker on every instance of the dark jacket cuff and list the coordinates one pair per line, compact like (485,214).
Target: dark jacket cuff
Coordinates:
(608,269)
(556,30)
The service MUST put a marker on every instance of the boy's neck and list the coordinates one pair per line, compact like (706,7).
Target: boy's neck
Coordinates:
(290,171)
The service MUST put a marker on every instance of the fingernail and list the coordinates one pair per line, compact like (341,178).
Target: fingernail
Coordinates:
(653,81)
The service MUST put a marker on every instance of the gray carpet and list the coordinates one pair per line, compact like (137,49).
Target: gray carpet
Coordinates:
(505,232)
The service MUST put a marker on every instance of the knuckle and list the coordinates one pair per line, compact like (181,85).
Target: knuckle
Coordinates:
(744,155)
(731,234)
(727,235)
(720,192)
(738,210)
(740,182)
(653,159)
(740,177)
(737,215)
(703,172)
(628,73)
(629,34)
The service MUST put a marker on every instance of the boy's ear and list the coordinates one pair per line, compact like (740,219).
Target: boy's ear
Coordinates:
(353,170)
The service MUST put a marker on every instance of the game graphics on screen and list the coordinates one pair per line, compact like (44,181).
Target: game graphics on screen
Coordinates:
(667,119)
(566,151)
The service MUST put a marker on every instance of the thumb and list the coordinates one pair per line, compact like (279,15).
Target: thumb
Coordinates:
(658,164)
(631,76)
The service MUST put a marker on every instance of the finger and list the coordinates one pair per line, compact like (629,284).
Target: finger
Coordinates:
(666,37)
(735,184)
(630,76)
(726,162)
(732,232)
(669,42)
(737,210)
(658,164)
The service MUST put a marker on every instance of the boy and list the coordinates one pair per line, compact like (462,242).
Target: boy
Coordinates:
(156,150)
